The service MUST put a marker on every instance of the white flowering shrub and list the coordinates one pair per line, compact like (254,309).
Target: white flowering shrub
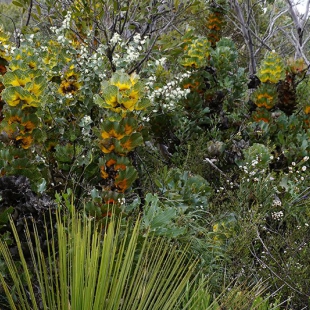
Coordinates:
(169,96)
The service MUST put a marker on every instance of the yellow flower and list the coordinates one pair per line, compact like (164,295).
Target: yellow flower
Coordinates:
(29,100)
(69,87)
(107,146)
(13,100)
(32,64)
(71,75)
(112,134)
(129,101)
(134,78)
(4,38)
(20,80)
(110,96)
(124,81)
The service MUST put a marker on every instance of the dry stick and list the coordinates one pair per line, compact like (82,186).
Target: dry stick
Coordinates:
(265,265)
(246,34)
(275,274)
(219,170)
(122,26)
(17,38)
(147,54)
(300,24)
(294,42)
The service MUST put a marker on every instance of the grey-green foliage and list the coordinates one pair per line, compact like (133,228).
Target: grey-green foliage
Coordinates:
(10,17)
(200,297)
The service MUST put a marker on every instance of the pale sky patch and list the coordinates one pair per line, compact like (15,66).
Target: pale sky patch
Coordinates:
(301,5)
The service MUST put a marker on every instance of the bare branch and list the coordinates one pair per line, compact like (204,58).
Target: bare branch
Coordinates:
(29,13)
(294,14)
(17,38)
(246,34)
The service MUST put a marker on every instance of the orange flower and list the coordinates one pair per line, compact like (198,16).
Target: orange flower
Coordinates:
(127,145)
(307,110)
(120,167)
(14,119)
(121,185)
(110,162)
(26,141)
(103,173)
(29,126)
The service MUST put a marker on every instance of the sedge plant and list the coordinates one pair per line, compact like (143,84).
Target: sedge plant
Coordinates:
(90,266)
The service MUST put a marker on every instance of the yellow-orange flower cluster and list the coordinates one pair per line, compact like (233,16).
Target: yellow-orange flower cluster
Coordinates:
(119,133)
(70,83)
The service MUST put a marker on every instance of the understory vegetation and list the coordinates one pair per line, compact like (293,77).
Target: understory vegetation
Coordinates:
(154,154)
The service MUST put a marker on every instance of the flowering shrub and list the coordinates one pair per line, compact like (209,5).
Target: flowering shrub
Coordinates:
(147,109)
(43,138)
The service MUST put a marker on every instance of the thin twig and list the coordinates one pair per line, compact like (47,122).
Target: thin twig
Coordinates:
(219,170)
(29,13)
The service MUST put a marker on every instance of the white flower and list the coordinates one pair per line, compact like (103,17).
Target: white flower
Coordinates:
(277,215)
(277,202)
(137,38)
(115,39)
(303,168)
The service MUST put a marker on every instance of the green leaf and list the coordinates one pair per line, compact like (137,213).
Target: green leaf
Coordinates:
(284,183)
(4,216)
(17,3)
(142,104)
(42,186)
(38,8)
(163,218)
(16,78)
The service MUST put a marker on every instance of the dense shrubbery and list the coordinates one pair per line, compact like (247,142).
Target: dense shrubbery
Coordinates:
(148,114)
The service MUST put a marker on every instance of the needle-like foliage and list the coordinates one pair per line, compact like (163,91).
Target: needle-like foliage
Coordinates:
(93,267)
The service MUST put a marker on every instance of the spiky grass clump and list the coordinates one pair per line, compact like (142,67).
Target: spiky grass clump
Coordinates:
(91,267)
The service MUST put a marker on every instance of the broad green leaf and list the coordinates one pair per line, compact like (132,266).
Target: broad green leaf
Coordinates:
(12,95)
(163,218)
(121,80)
(110,95)
(16,78)
(142,104)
